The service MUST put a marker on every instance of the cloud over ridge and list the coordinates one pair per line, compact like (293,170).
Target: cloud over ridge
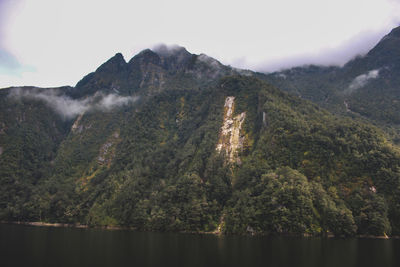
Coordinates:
(68,107)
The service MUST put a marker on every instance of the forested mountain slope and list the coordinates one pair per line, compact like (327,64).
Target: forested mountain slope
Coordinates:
(172,141)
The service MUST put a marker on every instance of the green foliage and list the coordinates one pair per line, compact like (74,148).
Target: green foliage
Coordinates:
(30,134)
(285,202)
(153,165)
(370,211)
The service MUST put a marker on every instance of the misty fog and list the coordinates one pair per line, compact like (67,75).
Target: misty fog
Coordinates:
(68,107)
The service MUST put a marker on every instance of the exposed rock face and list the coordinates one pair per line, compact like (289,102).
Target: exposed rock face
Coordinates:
(107,150)
(230,140)
(76,127)
(153,76)
(104,152)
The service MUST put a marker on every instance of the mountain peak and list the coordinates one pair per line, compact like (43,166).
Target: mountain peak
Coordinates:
(174,57)
(389,43)
(385,54)
(116,63)
(170,50)
(146,55)
(152,68)
(395,32)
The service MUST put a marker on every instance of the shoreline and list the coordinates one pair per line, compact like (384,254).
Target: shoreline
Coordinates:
(66,225)
(216,233)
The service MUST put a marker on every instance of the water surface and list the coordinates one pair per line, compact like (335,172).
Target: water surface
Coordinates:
(46,246)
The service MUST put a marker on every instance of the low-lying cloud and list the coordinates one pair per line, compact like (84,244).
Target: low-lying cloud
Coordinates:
(362,80)
(68,107)
(359,45)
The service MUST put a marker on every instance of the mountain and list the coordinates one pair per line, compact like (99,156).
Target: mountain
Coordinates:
(367,86)
(151,72)
(172,141)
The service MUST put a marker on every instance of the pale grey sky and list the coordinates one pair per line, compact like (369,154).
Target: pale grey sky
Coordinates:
(55,42)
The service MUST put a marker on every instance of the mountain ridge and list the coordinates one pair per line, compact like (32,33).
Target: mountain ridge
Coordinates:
(180,142)
(375,98)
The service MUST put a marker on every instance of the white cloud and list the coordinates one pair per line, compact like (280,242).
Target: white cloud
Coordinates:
(358,45)
(68,107)
(65,40)
(362,80)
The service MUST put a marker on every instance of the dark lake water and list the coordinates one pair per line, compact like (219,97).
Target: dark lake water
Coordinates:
(45,246)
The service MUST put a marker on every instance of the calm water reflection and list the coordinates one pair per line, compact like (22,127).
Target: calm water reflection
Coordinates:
(42,246)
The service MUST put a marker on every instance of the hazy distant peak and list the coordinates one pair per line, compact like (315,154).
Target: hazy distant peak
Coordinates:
(393,35)
(164,50)
(389,41)
(209,60)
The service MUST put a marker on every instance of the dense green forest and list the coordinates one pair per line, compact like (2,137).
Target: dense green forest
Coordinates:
(153,163)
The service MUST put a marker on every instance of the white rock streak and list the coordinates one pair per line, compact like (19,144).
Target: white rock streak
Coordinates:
(230,140)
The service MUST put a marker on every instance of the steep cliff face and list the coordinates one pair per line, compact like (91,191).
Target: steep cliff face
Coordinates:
(230,140)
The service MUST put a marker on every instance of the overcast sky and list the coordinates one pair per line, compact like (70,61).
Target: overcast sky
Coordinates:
(54,42)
